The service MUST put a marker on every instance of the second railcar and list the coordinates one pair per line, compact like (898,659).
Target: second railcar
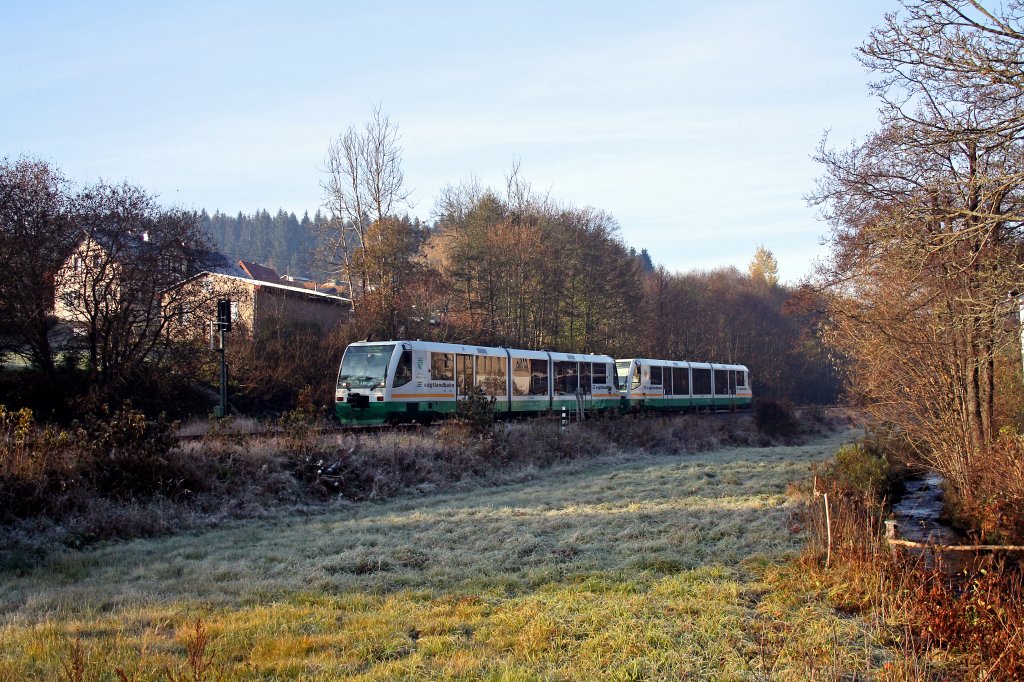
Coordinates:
(672,385)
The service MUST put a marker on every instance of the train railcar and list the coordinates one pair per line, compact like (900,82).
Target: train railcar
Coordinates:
(671,385)
(397,381)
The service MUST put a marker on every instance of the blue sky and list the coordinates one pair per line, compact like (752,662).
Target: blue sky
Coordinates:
(692,123)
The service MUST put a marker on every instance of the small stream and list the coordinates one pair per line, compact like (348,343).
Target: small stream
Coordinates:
(918,518)
(918,512)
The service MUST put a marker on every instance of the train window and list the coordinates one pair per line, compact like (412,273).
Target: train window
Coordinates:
(635,384)
(403,373)
(538,377)
(680,381)
(585,377)
(655,376)
(490,375)
(565,378)
(741,379)
(615,376)
(600,374)
(520,376)
(666,374)
(721,382)
(442,366)
(463,374)
(701,381)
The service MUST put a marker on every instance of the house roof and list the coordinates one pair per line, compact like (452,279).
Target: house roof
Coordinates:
(244,271)
(280,285)
(260,272)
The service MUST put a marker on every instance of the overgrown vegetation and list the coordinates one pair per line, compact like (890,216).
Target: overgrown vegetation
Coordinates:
(122,475)
(964,622)
(776,417)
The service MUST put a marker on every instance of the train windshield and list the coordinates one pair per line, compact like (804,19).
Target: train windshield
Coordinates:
(365,366)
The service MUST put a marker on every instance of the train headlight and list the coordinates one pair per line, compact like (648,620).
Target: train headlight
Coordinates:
(344,384)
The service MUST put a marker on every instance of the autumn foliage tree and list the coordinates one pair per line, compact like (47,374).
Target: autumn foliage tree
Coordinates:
(526,272)
(926,215)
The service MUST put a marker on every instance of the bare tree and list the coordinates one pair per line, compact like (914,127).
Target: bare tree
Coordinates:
(36,234)
(364,184)
(119,287)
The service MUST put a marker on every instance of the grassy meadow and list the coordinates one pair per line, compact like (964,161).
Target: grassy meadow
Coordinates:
(626,567)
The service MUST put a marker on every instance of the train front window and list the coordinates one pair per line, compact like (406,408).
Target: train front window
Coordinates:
(365,366)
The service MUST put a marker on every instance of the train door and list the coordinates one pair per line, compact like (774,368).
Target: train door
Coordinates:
(463,375)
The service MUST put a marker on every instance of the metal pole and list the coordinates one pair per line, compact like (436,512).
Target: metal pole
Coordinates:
(223,378)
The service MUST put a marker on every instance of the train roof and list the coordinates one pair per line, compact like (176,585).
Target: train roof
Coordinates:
(473,349)
(684,363)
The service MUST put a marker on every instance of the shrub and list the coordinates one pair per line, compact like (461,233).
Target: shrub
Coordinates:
(776,418)
(476,412)
(992,500)
(302,426)
(859,470)
(126,454)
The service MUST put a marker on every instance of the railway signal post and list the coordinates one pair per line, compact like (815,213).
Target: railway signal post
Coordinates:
(218,329)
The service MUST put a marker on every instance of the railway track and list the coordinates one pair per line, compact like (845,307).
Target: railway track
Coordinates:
(228,433)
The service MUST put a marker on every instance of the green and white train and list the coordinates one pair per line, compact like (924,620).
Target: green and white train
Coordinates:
(403,381)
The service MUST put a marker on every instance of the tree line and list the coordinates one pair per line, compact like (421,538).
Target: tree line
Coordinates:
(280,240)
(512,267)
